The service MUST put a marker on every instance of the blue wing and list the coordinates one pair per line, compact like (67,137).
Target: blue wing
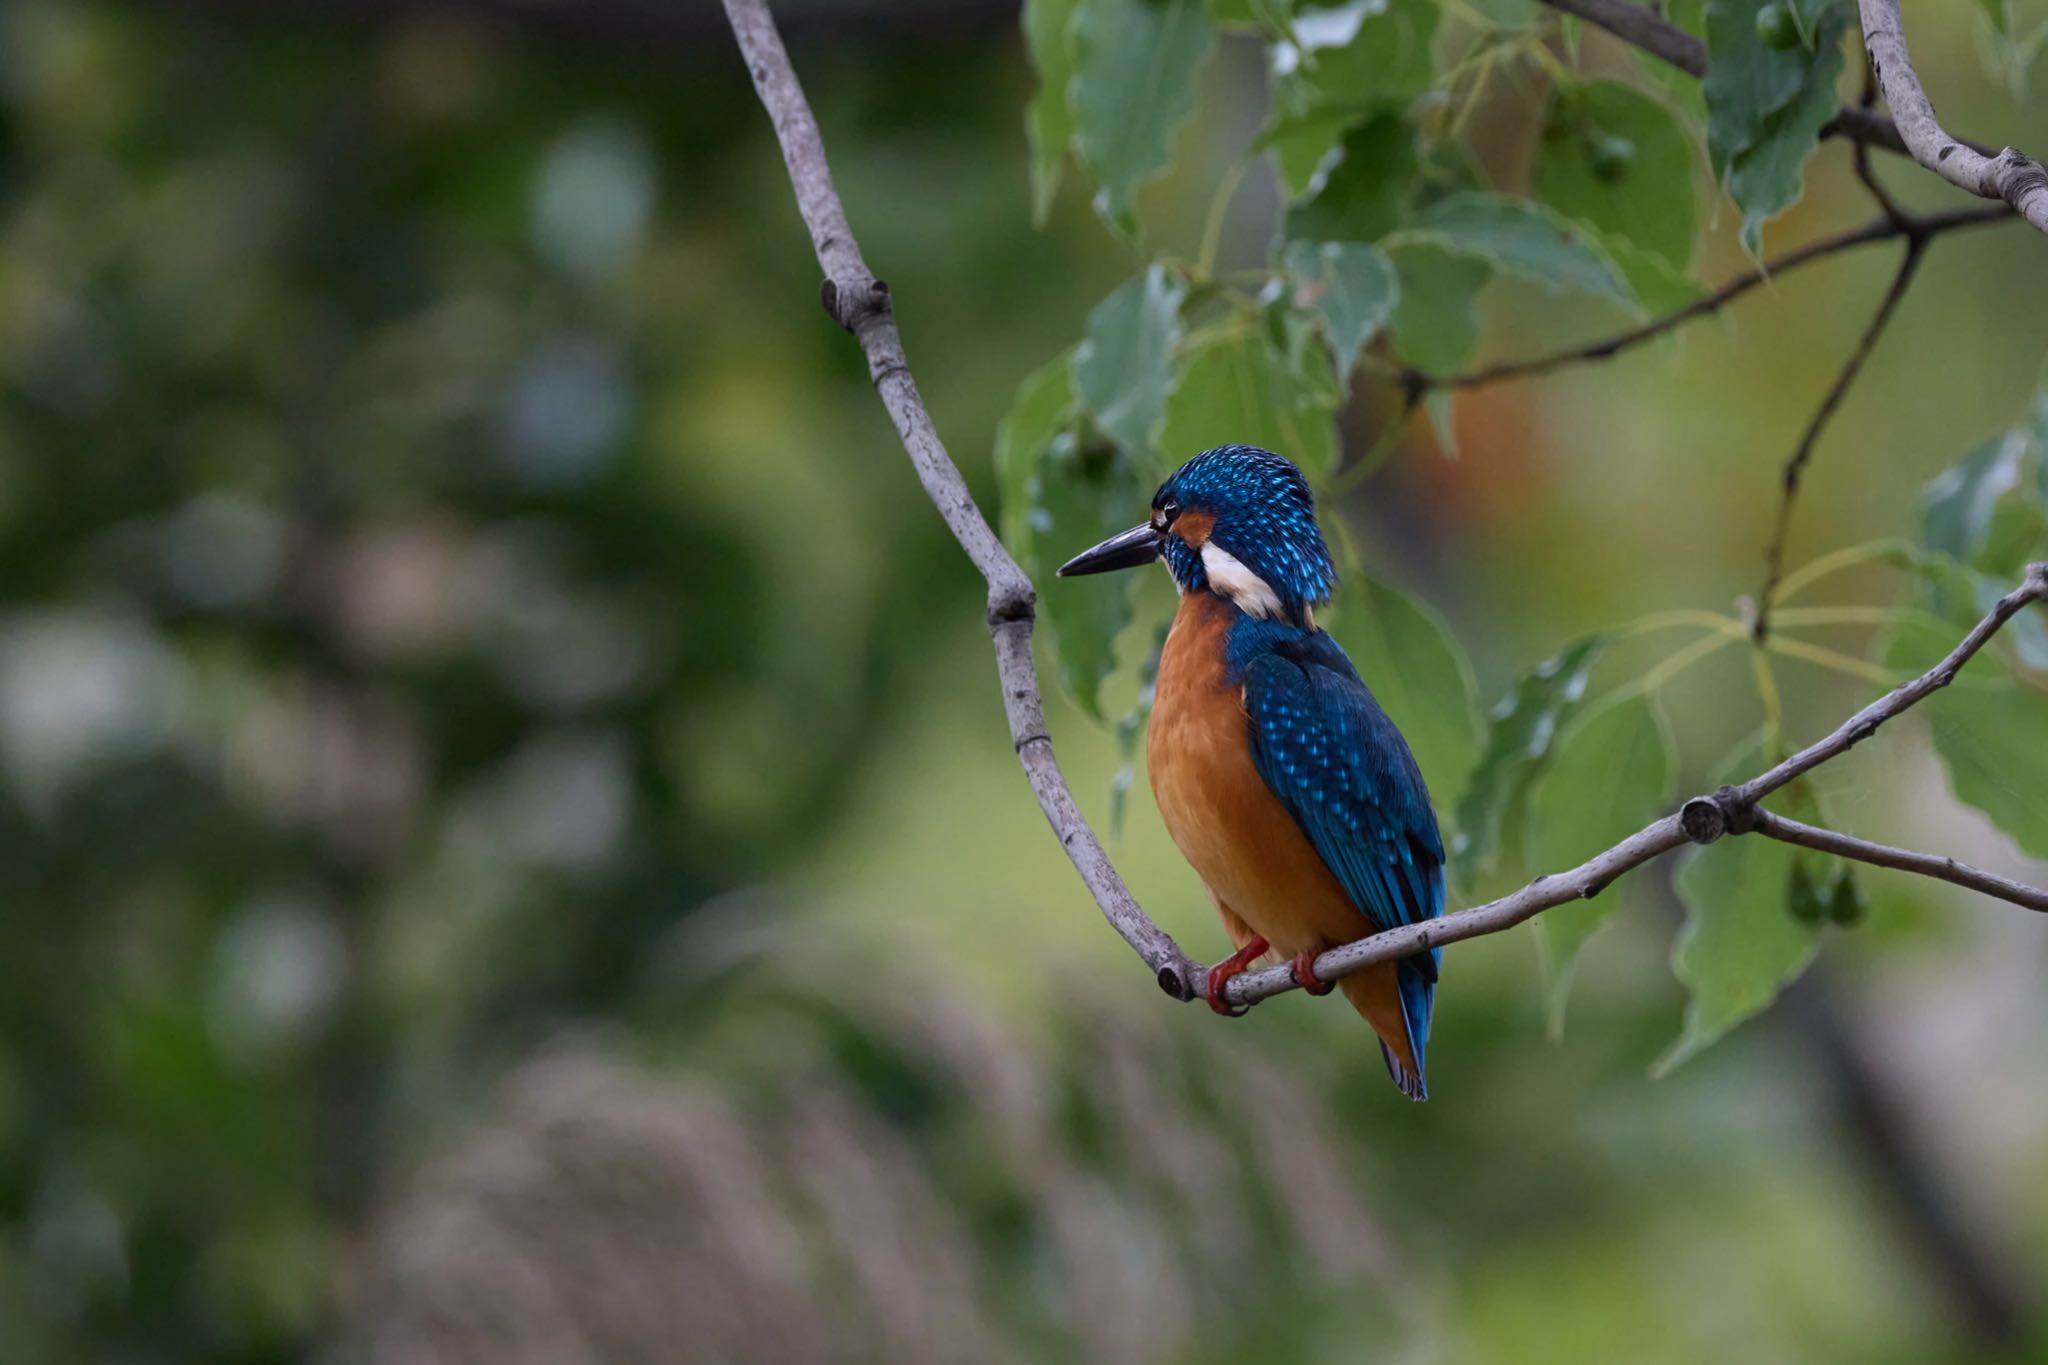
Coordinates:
(1334,759)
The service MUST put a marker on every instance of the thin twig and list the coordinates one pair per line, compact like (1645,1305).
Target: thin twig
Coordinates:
(1903,859)
(1802,454)
(1882,229)
(2010,175)
(860,303)
(1731,810)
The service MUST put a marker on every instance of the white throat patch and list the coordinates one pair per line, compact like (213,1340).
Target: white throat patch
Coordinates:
(1229,576)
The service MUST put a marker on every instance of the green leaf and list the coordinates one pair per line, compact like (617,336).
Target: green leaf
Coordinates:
(1124,367)
(1085,493)
(1612,774)
(1133,83)
(1658,286)
(1766,105)
(1241,388)
(1350,286)
(1046,119)
(1957,505)
(1436,320)
(1522,238)
(1416,669)
(1986,727)
(1339,66)
(1620,159)
(1519,742)
(1364,55)
(1361,184)
(1043,408)
(1741,943)
(1130,728)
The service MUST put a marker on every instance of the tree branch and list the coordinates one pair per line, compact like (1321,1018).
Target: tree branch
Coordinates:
(2011,175)
(1795,464)
(1702,820)
(1882,229)
(1903,859)
(860,303)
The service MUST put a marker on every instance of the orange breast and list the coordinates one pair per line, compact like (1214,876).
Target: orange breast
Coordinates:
(1234,831)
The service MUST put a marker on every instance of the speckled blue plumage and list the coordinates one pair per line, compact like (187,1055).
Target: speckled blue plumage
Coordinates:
(1335,760)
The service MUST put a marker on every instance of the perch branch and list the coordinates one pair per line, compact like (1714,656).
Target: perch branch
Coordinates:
(860,303)
(1731,810)
(1883,229)
(1802,454)
(1904,859)
(2010,175)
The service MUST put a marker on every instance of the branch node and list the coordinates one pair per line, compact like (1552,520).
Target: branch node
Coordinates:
(1175,984)
(1702,820)
(851,305)
(1738,814)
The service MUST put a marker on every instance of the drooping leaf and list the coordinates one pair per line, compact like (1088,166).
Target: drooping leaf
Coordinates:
(1362,54)
(1130,728)
(1436,319)
(1043,408)
(1046,119)
(1620,159)
(1766,104)
(1350,286)
(1124,367)
(1520,740)
(1659,286)
(1360,183)
(1612,774)
(1133,83)
(1084,492)
(1742,942)
(1522,238)
(1242,388)
(1418,672)
(1958,504)
(1987,727)
(1340,65)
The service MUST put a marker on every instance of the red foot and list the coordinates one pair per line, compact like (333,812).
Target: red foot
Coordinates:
(1234,965)
(1305,975)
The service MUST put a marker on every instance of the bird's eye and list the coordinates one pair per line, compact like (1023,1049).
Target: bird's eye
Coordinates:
(1167,511)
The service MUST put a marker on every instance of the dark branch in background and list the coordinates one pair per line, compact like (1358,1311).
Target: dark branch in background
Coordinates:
(860,303)
(1877,230)
(1802,454)
(2010,175)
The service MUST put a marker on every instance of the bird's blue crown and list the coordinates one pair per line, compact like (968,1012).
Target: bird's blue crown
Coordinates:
(1256,507)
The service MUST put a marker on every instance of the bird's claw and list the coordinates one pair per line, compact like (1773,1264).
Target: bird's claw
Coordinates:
(1304,965)
(1220,974)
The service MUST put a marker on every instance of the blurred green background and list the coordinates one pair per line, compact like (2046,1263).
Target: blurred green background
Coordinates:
(508,846)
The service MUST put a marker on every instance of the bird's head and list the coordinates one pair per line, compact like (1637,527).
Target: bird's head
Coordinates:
(1237,521)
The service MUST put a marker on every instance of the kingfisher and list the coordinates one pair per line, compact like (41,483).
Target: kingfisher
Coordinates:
(1278,775)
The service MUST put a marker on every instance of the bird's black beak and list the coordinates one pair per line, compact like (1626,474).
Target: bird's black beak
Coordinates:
(1125,550)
